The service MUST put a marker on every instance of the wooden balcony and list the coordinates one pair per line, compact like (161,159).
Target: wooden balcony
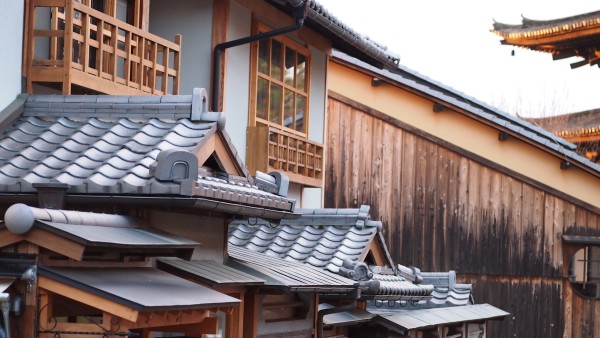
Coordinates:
(71,45)
(269,149)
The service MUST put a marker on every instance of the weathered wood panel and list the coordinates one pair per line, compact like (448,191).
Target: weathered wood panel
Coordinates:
(444,208)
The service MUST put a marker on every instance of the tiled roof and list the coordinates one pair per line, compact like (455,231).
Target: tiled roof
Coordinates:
(322,238)
(503,121)
(292,276)
(343,37)
(538,29)
(109,144)
(585,123)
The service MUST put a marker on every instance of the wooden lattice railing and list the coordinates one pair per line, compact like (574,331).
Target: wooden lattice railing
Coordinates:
(103,53)
(271,149)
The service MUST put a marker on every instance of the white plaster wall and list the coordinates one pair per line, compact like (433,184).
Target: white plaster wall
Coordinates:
(318,95)
(11,37)
(312,198)
(237,78)
(193,20)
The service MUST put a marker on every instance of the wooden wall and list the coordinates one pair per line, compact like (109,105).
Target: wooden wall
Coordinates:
(446,209)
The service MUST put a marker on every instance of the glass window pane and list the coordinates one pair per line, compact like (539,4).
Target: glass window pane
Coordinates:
(290,69)
(288,109)
(262,98)
(263,57)
(276,60)
(275,104)
(301,72)
(300,111)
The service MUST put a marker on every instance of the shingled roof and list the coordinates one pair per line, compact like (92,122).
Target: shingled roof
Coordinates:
(128,145)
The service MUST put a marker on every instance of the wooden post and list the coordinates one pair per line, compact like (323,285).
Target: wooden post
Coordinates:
(68,49)
(251,308)
(177,65)
(29,318)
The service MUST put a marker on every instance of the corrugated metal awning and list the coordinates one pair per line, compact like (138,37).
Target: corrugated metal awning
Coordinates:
(142,289)
(296,277)
(208,272)
(426,318)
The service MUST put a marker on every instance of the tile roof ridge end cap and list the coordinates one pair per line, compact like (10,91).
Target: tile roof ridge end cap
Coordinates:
(376,224)
(19,218)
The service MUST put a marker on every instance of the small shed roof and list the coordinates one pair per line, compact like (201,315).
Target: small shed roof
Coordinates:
(142,289)
(90,231)
(208,272)
(429,318)
(293,276)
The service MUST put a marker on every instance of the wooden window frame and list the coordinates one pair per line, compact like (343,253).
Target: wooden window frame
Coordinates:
(253,120)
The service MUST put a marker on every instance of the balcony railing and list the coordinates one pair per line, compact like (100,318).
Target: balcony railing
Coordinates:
(75,45)
(271,149)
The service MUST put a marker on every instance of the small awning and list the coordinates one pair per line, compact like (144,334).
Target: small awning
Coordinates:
(208,272)
(292,276)
(585,240)
(429,318)
(142,289)
(345,318)
(5,283)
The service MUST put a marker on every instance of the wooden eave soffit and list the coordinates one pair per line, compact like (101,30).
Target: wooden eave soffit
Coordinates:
(46,240)
(375,248)
(214,144)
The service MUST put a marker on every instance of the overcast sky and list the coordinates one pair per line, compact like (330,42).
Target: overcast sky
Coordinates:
(451,42)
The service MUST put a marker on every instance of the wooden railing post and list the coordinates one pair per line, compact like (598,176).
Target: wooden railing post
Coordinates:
(177,65)
(68,48)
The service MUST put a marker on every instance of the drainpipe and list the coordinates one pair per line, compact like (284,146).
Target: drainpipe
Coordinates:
(299,13)
(5,307)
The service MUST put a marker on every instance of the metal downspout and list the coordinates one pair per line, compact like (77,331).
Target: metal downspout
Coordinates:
(322,313)
(299,14)
(5,308)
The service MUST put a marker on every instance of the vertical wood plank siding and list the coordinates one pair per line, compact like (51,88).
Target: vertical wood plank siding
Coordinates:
(444,208)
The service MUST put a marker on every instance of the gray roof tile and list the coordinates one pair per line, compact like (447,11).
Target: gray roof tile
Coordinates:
(112,152)
(311,239)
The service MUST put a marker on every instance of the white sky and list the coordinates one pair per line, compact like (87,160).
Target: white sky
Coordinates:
(451,42)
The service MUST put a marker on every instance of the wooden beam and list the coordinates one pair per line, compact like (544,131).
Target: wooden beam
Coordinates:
(55,243)
(8,238)
(170,318)
(88,298)
(226,158)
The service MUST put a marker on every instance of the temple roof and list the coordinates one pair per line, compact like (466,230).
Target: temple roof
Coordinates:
(581,124)
(564,37)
